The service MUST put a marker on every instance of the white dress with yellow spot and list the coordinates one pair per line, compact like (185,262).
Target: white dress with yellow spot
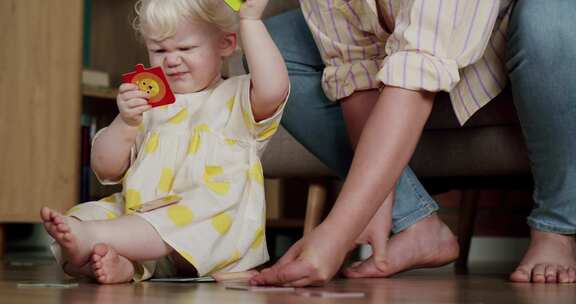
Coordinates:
(205,148)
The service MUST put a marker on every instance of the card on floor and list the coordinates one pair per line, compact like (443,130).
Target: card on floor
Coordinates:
(47,284)
(184,280)
(259,288)
(332,294)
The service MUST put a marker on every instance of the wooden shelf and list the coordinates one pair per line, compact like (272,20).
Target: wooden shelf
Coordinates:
(100,93)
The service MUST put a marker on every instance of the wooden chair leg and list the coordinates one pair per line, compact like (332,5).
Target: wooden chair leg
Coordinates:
(468,208)
(314,206)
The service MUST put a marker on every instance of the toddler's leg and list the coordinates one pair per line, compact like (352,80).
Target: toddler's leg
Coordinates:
(108,267)
(105,268)
(75,251)
(126,234)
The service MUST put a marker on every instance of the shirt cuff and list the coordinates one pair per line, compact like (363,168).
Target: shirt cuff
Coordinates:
(341,81)
(417,71)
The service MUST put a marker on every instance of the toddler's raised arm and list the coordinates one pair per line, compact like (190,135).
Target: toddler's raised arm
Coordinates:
(270,81)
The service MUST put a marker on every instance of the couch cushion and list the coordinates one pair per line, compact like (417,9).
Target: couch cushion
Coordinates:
(286,157)
(471,151)
(499,111)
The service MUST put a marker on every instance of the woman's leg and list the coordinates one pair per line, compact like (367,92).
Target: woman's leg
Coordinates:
(542,67)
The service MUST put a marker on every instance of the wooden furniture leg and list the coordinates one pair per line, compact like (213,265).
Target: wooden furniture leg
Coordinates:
(468,208)
(314,206)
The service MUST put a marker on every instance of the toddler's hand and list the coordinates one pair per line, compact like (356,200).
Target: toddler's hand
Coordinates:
(132,103)
(252,9)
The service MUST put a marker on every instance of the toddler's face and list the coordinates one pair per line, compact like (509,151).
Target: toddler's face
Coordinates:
(192,58)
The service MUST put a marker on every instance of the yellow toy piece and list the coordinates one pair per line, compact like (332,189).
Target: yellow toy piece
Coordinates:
(234,4)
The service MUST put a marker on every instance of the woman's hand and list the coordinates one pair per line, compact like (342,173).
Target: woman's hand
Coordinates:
(313,260)
(253,9)
(131,104)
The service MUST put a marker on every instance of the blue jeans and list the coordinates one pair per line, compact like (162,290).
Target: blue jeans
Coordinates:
(319,125)
(542,69)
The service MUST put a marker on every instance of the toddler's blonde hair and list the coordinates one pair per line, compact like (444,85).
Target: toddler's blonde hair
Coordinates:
(158,19)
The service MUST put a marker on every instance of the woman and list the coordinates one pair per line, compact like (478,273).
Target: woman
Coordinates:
(396,119)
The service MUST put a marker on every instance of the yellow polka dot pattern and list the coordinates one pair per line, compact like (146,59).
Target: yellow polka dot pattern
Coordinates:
(152,144)
(111,215)
(195,141)
(133,200)
(188,257)
(72,210)
(230,141)
(166,178)
(268,132)
(258,238)
(218,187)
(110,199)
(222,222)
(256,173)
(180,215)
(178,118)
(230,103)
(225,263)
(247,120)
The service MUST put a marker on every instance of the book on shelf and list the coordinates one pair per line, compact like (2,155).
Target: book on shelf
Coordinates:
(95,79)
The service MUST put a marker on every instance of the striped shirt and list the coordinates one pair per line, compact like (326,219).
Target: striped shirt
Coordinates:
(457,46)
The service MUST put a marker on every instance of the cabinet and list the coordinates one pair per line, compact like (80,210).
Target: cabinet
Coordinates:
(40,63)
(41,107)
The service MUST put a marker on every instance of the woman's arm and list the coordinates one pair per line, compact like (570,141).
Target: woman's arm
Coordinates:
(385,147)
(267,68)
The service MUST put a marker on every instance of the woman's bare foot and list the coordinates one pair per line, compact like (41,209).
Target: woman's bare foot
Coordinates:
(73,239)
(109,267)
(428,243)
(377,232)
(551,258)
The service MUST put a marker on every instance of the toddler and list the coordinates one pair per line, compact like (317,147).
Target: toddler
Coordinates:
(202,151)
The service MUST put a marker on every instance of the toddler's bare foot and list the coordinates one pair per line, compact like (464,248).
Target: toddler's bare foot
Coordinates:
(70,235)
(551,258)
(428,243)
(109,267)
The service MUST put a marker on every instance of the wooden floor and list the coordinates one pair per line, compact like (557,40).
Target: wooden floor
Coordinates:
(483,285)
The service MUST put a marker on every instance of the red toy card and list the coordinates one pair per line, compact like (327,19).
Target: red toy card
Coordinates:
(152,81)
